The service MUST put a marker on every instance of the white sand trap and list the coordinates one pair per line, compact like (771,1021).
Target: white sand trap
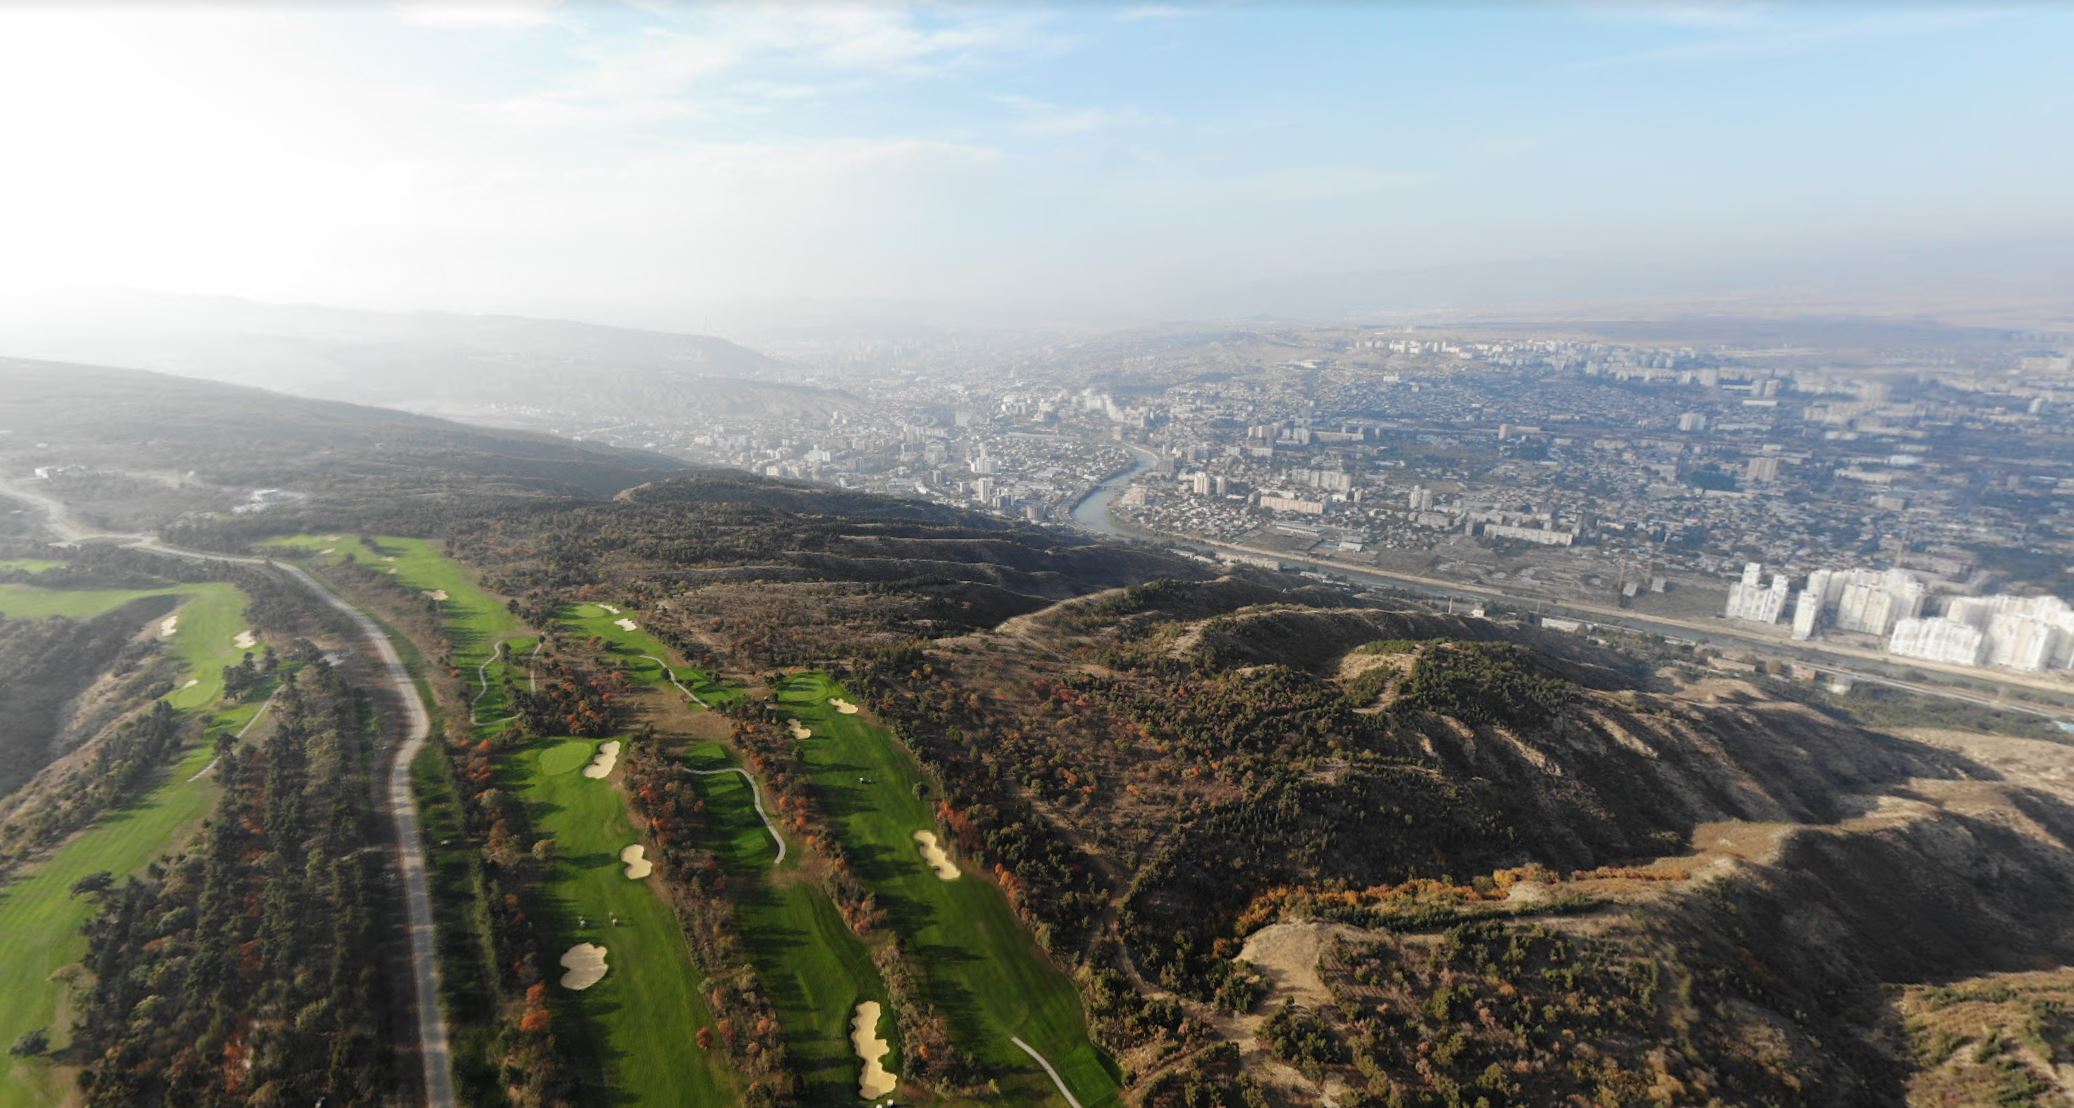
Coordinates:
(609,609)
(601,766)
(192,682)
(937,859)
(388,557)
(586,965)
(637,866)
(167,626)
(625,624)
(874,1082)
(437,594)
(799,730)
(329,550)
(843,706)
(391,571)
(333,538)
(245,641)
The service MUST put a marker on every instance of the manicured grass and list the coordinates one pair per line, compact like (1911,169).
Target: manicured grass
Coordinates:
(642,1019)
(810,963)
(637,646)
(970,952)
(40,919)
(640,1023)
(19,601)
(29,565)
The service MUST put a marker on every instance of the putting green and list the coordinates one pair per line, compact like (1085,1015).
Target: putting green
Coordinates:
(40,919)
(992,981)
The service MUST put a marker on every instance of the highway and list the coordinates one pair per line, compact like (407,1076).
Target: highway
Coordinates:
(1858,663)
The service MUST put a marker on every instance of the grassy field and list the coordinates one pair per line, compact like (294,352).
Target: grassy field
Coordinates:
(973,955)
(641,1020)
(810,963)
(29,565)
(638,648)
(19,601)
(39,917)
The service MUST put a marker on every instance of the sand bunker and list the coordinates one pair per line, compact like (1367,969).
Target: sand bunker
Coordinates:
(586,965)
(245,641)
(874,1082)
(609,609)
(601,766)
(799,730)
(843,706)
(192,682)
(934,855)
(388,557)
(625,624)
(329,550)
(637,866)
(437,594)
(167,626)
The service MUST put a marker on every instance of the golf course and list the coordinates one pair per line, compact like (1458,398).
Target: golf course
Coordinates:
(640,1020)
(40,918)
(974,957)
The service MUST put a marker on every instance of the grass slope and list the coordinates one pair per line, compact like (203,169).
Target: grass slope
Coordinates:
(811,964)
(641,1020)
(40,919)
(973,955)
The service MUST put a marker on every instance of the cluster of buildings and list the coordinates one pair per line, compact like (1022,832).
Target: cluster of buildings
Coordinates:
(2029,633)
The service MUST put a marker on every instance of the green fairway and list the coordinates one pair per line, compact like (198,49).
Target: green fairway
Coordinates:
(810,963)
(640,650)
(40,919)
(642,1019)
(971,953)
(19,601)
(29,565)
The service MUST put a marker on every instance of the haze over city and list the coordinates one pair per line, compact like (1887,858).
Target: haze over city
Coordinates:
(1160,555)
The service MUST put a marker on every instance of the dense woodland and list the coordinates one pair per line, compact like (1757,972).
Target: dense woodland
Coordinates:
(255,967)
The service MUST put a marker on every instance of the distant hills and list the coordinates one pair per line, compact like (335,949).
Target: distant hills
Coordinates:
(501,369)
(134,448)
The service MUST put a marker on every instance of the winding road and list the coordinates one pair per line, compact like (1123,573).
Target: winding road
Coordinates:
(434,1053)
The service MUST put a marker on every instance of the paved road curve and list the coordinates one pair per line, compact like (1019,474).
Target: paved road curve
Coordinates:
(433,1051)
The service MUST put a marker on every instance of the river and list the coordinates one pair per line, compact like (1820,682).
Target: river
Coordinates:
(1092,513)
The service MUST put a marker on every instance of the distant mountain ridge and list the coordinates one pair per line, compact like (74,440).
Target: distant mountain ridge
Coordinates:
(446,363)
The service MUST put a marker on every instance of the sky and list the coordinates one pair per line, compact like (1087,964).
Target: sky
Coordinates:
(642,163)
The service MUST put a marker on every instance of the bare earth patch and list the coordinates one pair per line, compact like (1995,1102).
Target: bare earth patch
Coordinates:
(1287,955)
(601,766)
(874,1082)
(937,859)
(586,965)
(637,866)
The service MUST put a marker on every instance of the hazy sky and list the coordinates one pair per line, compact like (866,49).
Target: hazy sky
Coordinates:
(624,161)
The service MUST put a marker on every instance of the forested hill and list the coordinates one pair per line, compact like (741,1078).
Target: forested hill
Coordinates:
(138,448)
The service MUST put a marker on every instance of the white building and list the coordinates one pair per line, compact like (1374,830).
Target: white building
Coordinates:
(1938,640)
(1749,599)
